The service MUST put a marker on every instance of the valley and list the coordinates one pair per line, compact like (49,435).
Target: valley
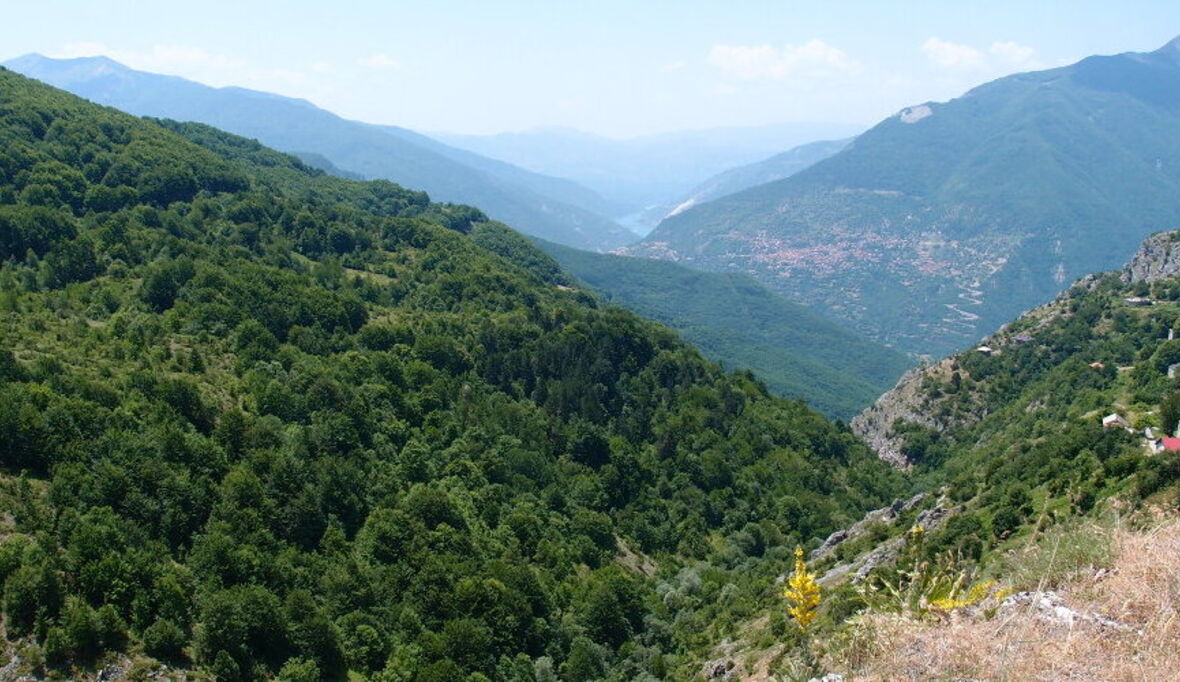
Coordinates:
(340,356)
(1003,190)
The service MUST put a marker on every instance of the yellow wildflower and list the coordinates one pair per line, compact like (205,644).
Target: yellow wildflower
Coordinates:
(803,592)
(977,593)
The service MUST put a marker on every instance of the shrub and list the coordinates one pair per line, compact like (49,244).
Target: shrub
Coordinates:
(164,640)
(299,670)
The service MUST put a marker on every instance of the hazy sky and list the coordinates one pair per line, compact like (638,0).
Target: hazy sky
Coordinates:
(618,68)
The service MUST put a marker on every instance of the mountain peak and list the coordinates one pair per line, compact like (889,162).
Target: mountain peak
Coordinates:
(1168,53)
(37,64)
(1170,49)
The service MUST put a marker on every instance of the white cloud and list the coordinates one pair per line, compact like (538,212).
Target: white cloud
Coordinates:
(1001,56)
(380,61)
(672,66)
(952,55)
(763,62)
(1014,53)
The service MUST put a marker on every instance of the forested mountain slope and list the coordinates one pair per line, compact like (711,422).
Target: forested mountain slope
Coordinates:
(742,324)
(947,219)
(254,418)
(546,207)
(1022,419)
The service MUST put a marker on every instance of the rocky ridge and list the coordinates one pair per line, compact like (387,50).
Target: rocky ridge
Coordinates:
(886,553)
(908,401)
(1157,258)
(913,400)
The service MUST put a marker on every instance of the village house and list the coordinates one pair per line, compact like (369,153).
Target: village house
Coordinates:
(1115,421)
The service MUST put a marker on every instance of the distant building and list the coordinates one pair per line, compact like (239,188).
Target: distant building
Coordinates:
(1115,421)
(986,350)
(1173,369)
(1097,365)
(1021,339)
(1170,444)
(1138,301)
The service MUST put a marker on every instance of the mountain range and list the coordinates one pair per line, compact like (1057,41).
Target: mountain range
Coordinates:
(790,348)
(546,207)
(947,219)
(650,170)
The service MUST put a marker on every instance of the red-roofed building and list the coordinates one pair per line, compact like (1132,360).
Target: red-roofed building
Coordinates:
(1171,444)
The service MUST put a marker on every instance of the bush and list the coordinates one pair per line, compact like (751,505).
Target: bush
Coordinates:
(225,668)
(32,595)
(58,650)
(299,670)
(164,640)
(80,627)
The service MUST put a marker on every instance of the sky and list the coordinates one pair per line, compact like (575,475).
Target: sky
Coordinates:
(616,68)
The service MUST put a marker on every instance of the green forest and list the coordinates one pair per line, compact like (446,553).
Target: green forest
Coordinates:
(744,325)
(260,422)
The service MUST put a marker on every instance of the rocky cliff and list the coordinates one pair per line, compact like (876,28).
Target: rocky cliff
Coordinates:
(910,401)
(1157,258)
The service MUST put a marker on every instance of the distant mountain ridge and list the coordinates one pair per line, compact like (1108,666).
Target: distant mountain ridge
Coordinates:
(528,201)
(777,167)
(649,170)
(566,191)
(949,218)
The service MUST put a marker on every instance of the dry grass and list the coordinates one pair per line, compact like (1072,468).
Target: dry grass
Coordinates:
(1142,589)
